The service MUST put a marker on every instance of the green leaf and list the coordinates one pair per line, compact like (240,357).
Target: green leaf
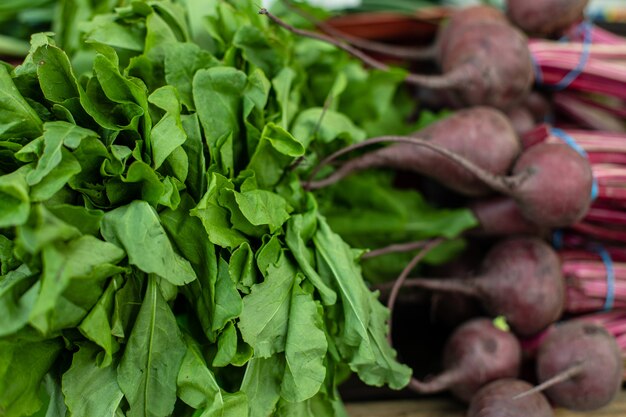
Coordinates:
(17,117)
(257,92)
(196,162)
(256,49)
(261,383)
(56,406)
(325,126)
(191,240)
(106,30)
(217,94)
(264,320)
(89,389)
(363,337)
(8,261)
(126,305)
(148,371)
(141,180)
(320,405)
(42,229)
(47,149)
(18,293)
(136,229)
(168,134)
(82,258)
(262,207)
(56,77)
(97,325)
(14,200)
(56,179)
(182,61)
(82,218)
(368,212)
(226,346)
(214,217)
(197,385)
(300,231)
(286,95)
(305,348)
(23,366)
(228,303)
(277,148)
(241,267)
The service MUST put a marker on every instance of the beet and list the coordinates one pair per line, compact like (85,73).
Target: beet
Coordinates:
(558,191)
(476,353)
(484,59)
(551,182)
(501,216)
(463,18)
(580,366)
(493,64)
(545,17)
(522,119)
(496,400)
(482,135)
(520,279)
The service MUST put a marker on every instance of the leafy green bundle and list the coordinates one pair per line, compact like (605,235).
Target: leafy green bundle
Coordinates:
(158,255)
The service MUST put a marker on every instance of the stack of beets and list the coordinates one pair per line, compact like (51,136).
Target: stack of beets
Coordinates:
(521,190)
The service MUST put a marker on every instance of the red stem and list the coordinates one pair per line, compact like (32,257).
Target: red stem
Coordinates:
(454,78)
(503,184)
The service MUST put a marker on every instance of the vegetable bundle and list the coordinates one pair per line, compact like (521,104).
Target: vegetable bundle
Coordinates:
(158,253)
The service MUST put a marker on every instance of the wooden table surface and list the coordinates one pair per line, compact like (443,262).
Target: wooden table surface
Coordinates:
(448,408)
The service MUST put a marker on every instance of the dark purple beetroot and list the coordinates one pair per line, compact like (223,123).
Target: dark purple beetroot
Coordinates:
(497,64)
(545,17)
(551,182)
(463,18)
(558,191)
(520,279)
(475,354)
(521,119)
(482,135)
(501,216)
(485,61)
(582,364)
(496,400)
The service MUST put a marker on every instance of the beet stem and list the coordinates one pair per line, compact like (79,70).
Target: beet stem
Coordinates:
(454,285)
(570,372)
(439,383)
(503,184)
(395,248)
(451,79)
(425,53)
(393,295)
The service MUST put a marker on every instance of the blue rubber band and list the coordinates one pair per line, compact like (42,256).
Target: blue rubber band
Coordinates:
(557,239)
(565,137)
(574,73)
(537,71)
(609,300)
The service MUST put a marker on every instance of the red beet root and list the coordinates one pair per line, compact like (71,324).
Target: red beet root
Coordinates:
(580,366)
(500,216)
(486,61)
(545,17)
(476,353)
(551,182)
(520,279)
(482,135)
(558,192)
(496,400)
